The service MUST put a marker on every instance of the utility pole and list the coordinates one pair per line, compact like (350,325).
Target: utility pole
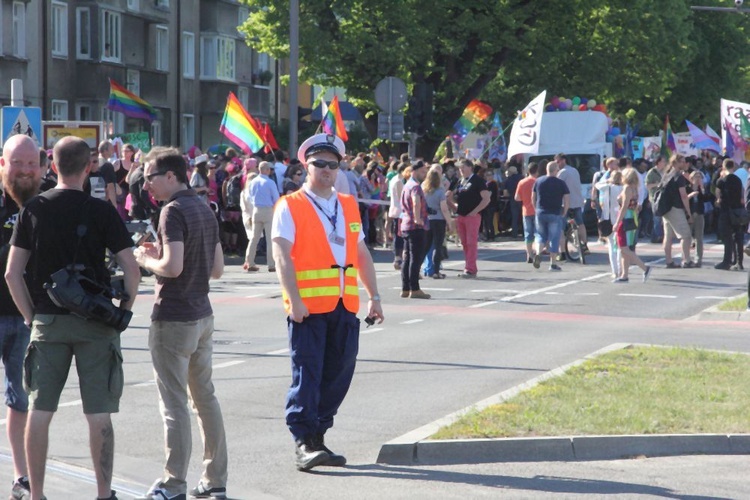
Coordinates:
(293,75)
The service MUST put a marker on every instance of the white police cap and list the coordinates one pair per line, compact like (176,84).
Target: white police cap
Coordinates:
(321,142)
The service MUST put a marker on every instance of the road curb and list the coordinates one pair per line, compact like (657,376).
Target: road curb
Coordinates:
(714,314)
(415,447)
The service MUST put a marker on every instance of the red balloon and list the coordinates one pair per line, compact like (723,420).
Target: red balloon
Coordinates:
(600,107)
(582,107)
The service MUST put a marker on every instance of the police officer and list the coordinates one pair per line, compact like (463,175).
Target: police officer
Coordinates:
(319,248)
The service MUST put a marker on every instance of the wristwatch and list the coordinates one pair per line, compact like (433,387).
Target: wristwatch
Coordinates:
(375,297)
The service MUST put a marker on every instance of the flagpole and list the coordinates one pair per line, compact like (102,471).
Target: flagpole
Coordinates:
(501,134)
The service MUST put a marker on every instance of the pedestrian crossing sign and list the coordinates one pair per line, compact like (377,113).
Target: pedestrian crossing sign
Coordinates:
(21,120)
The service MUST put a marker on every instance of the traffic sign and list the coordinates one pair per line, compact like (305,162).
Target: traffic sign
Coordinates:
(391,127)
(21,120)
(390,94)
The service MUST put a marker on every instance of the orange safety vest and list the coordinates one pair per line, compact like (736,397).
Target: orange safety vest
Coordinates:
(319,284)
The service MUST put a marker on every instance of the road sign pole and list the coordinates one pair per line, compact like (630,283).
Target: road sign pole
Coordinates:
(16,92)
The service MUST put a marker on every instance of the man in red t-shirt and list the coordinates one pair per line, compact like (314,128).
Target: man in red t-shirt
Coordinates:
(523,194)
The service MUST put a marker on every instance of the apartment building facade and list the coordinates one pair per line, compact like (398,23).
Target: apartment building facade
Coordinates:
(181,56)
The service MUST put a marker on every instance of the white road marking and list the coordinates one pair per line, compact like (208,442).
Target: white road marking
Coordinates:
(553,293)
(280,351)
(411,321)
(255,296)
(712,297)
(260,287)
(372,330)
(493,291)
(71,403)
(482,304)
(145,384)
(654,296)
(587,293)
(229,363)
(554,287)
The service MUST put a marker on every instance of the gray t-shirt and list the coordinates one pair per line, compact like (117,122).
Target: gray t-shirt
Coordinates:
(187,219)
(573,180)
(433,204)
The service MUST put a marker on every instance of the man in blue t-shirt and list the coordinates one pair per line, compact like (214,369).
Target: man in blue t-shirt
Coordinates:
(551,198)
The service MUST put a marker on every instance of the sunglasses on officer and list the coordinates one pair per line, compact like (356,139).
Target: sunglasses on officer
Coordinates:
(333,165)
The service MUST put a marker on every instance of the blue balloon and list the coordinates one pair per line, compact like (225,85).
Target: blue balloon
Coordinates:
(550,107)
(584,100)
(615,130)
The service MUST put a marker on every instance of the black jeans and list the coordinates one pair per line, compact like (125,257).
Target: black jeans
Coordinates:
(732,237)
(414,252)
(435,239)
(398,241)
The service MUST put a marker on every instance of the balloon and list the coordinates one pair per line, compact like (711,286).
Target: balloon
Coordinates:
(598,107)
(550,107)
(555,101)
(563,105)
(591,104)
(568,103)
(562,99)
(582,107)
(609,120)
(576,101)
(584,100)
(615,130)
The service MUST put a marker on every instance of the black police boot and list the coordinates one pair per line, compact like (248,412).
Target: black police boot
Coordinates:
(334,459)
(308,456)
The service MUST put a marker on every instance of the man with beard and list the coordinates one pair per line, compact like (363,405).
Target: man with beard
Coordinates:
(21,178)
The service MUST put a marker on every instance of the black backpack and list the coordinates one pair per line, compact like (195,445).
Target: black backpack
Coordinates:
(234,191)
(663,199)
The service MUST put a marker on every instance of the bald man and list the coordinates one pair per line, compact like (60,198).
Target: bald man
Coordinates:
(21,173)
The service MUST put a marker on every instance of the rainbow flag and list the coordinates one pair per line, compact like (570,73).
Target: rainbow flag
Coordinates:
(332,122)
(237,125)
(475,112)
(129,104)
(668,144)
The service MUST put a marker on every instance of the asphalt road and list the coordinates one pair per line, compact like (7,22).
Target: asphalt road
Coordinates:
(475,338)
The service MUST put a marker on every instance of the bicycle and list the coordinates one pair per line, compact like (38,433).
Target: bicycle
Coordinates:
(573,248)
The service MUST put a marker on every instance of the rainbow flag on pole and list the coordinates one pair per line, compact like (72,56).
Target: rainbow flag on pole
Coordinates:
(332,122)
(475,112)
(668,144)
(129,104)
(237,125)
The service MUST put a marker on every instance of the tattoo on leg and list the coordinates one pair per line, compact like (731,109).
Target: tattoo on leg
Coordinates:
(106,458)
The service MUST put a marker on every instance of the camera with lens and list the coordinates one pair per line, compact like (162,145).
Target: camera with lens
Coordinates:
(86,298)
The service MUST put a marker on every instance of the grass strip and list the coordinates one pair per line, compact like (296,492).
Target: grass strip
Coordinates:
(737,304)
(638,390)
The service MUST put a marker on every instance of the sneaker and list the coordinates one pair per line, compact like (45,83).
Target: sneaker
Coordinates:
(467,275)
(21,489)
(438,276)
(687,265)
(555,267)
(252,269)
(404,294)
(672,265)
(201,491)
(530,260)
(112,496)
(307,456)
(158,493)
(334,459)
(722,266)
(419,294)
(620,280)
(537,261)
(646,273)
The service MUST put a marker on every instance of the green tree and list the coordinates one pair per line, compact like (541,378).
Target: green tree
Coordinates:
(638,56)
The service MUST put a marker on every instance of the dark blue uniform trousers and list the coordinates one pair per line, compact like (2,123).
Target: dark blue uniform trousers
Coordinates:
(323,350)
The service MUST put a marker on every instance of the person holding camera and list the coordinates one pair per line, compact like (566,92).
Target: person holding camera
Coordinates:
(187,255)
(58,231)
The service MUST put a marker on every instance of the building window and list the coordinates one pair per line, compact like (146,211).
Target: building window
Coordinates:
(59,29)
(188,55)
(188,131)
(114,122)
(19,29)
(162,48)
(217,58)
(156,133)
(83,33)
(111,48)
(83,113)
(133,83)
(59,110)
(134,5)
(243,95)
(264,62)
(242,14)
(164,4)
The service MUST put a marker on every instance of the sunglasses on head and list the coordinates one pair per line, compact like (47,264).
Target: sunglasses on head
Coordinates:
(333,165)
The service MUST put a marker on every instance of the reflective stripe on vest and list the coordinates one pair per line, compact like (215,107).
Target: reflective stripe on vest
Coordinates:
(318,282)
